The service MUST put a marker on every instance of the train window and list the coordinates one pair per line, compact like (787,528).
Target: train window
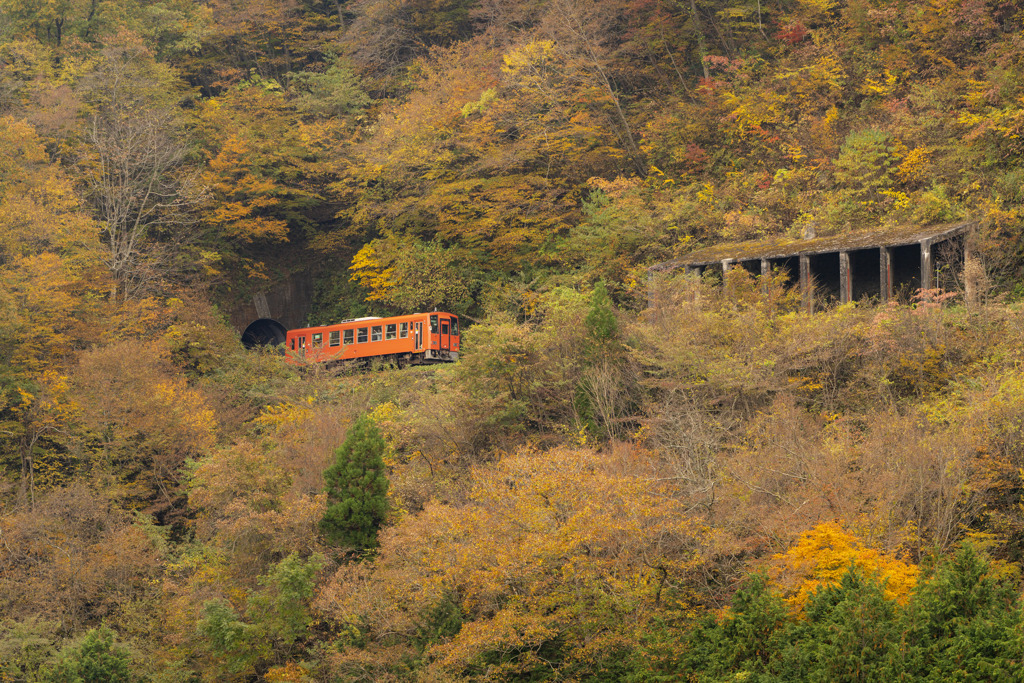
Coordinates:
(318,339)
(455,326)
(362,335)
(335,339)
(391,332)
(444,327)
(348,337)
(376,333)
(403,330)
(433,324)
(293,343)
(302,342)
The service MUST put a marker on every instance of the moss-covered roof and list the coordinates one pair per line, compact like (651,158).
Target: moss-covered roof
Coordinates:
(787,247)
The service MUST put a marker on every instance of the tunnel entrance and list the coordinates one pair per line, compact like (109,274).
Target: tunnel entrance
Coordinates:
(906,271)
(825,271)
(752,267)
(865,275)
(790,267)
(264,332)
(949,264)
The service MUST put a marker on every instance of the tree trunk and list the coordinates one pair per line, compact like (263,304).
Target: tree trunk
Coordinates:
(28,473)
(701,48)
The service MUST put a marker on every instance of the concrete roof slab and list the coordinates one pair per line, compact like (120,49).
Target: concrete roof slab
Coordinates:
(786,247)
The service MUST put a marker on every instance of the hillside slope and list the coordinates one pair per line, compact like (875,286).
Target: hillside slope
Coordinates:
(624,477)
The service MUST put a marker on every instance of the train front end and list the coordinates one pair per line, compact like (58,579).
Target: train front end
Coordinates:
(443,339)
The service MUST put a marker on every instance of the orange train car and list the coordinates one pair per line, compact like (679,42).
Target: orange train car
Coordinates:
(415,339)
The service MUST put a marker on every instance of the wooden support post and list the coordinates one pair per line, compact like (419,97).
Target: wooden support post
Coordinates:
(805,283)
(726,265)
(766,272)
(845,278)
(885,273)
(927,264)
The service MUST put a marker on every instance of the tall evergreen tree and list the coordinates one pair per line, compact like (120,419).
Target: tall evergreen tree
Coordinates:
(602,328)
(845,635)
(357,488)
(962,624)
(601,395)
(741,645)
(96,657)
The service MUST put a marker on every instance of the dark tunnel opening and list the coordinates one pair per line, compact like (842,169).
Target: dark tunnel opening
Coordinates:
(264,332)
(865,274)
(825,271)
(906,271)
(790,267)
(751,266)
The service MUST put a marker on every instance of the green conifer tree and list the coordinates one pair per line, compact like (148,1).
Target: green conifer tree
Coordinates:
(357,488)
(741,645)
(845,635)
(602,328)
(96,657)
(962,624)
(600,395)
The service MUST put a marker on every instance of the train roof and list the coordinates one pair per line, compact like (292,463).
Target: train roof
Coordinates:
(350,321)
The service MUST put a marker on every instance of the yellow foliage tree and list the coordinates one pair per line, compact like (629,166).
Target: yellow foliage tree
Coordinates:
(49,252)
(246,198)
(46,413)
(265,171)
(50,273)
(560,549)
(408,274)
(143,419)
(825,553)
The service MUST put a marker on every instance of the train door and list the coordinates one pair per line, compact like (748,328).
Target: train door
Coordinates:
(446,334)
(419,336)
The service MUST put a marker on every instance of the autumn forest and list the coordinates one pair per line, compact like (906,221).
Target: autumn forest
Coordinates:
(628,475)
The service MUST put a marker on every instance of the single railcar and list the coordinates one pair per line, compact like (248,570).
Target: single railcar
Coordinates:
(415,339)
